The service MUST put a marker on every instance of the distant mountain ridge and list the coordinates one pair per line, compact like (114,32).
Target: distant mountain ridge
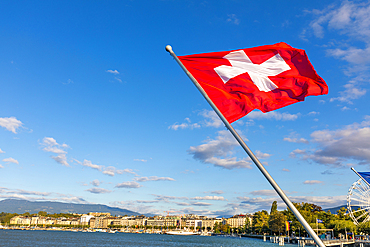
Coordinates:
(334,210)
(22,206)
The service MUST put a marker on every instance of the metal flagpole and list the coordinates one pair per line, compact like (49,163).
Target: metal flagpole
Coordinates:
(353,169)
(250,153)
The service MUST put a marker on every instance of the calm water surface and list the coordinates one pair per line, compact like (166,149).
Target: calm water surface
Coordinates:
(65,238)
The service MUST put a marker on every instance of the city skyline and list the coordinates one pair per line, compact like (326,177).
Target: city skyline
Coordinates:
(94,110)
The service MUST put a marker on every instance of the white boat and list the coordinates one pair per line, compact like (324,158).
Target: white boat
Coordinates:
(181,232)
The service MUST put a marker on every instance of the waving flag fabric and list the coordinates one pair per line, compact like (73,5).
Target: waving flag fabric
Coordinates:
(365,175)
(266,78)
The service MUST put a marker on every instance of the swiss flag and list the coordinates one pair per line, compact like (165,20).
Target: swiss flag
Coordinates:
(266,78)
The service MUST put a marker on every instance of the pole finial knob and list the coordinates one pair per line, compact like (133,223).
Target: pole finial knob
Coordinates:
(169,48)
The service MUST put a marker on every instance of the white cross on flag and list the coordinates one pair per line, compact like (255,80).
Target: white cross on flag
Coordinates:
(265,78)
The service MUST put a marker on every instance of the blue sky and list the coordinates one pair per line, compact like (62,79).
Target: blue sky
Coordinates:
(94,110)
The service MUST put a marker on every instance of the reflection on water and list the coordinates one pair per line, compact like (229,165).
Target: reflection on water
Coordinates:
(65,238)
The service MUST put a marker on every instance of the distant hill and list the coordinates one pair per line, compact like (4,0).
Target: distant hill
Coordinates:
(334,210)
(22,206)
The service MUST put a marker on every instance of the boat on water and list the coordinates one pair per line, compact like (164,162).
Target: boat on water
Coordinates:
(181,232)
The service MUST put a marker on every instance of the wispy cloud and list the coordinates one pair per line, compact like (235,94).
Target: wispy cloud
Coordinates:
(1,151)
(232,18)
(273,115)
(11,160)
(7,193)
(313,182)
(336,147)
(141,160)
(217,152)
(115,72)
(217,192)
(49,144)
(95,182)
(201,204)
(96,190)
(11,124)
(294,137)
(130,184)
(352,21)
(263,193)
(211,198)
(110,170)
(153,178)
(210,119)
(185,125)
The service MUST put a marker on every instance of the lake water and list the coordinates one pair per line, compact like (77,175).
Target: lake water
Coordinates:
(65,238)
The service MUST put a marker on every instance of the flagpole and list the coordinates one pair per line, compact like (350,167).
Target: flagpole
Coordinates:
(250,153)
(353,169)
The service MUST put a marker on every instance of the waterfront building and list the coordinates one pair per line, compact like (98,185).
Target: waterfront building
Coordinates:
(85,219)
(172,221)
(193,223)
(34,220)
(209,223)
(238,220)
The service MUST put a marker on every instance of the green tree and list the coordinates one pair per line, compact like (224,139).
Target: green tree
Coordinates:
(42,213)
(273,208)
(277,222)
(260,221)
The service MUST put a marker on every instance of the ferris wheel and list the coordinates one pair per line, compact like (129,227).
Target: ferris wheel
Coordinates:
(358,199)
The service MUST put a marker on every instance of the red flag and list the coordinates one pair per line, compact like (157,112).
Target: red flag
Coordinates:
(266,78)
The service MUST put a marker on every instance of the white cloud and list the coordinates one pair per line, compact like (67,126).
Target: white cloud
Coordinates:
(285,170)
(296,140)
(115,72)
(313,182)
(1,166)
(211,198)
(261,155)
(141,160)
(263,193)
(201,204)
(352,20)
(1,151)
(110,170)
(130,184)
(95,182)
(61,159)
(118,79)
(211,119)
(273,115)
(217,192)
(51,145)
(216,151)
(10,123)
(233,19)
(352,91)
(153,178)
(96,190)
(186,125)
(11,160)
(335,147)
(88,163)
(294,137)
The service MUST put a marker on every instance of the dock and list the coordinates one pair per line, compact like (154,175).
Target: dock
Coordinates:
(302,242)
